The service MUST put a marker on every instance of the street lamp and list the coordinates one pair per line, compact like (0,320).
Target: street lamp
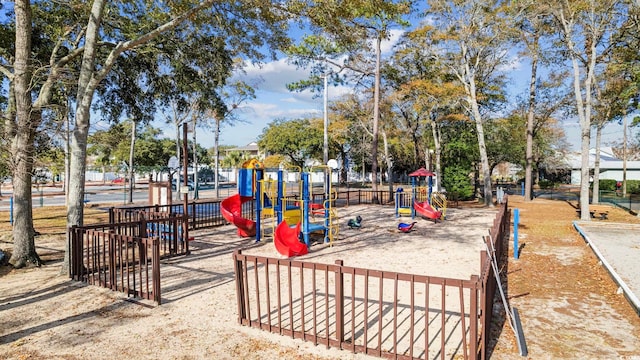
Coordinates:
(325,148)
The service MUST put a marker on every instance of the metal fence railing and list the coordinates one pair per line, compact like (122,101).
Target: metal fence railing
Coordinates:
(206,213)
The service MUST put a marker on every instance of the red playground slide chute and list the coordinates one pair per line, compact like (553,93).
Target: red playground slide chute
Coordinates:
(231,209)
(424,209)
(286,240)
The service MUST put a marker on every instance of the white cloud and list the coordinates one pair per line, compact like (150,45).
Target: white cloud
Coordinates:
(273,76)
(269,111)
(394,36)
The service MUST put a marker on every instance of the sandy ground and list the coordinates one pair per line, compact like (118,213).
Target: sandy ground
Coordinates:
(45,315)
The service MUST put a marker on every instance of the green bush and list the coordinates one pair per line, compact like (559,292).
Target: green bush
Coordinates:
(633,186)
(457,182)
(546,184)
(608,185)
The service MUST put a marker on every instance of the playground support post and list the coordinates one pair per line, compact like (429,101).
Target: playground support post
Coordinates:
(258,195)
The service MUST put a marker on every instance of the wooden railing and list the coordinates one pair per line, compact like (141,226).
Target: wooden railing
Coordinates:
(381,313)
(123,263)
(125,256)
(376,312)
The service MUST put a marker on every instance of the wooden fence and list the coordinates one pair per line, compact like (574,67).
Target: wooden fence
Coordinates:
(125,256)
(381,313)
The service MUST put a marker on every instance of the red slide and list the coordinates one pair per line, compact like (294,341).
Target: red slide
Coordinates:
(424,209)
(286,240)
(231,209)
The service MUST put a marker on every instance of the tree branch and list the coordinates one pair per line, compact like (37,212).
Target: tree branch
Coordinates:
(143,39)
(6,72)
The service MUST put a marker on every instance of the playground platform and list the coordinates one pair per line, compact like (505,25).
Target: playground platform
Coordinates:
(618,248)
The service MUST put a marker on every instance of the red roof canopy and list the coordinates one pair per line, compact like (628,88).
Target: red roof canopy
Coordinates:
(422,172)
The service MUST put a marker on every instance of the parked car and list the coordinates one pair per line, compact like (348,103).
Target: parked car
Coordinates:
(119,180)
(190,184)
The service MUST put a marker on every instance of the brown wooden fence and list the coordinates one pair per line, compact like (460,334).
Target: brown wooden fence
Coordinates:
(126,256)
(498,236)
(381,313)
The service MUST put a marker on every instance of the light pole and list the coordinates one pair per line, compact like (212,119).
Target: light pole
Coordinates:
(325,148)
(195,163)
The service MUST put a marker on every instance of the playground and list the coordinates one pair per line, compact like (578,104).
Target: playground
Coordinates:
(289,218)
(198,317)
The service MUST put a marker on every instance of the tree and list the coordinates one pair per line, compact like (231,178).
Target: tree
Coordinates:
(343,30)
(295,139)
(247,25)
(531,23)
(22,133)
(587,32)
(232,97)
(473,43)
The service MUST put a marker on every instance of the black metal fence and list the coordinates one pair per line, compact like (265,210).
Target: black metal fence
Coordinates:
(206,213)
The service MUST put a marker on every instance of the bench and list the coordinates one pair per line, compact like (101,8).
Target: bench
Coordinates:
(602,215)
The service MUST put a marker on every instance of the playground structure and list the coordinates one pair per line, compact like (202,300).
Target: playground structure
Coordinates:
(289,213)
(423,201)
(231,207)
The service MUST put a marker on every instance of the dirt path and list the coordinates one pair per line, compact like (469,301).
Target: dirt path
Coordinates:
(569,305)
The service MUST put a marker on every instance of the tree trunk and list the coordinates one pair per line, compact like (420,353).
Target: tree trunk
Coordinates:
(376,119)
(75,207)
(435,129)
(195,162)
(178,152)
(216,160)
(389,160)
(484,159)
(22,147)
(528,176)
(595,196)
(583,108)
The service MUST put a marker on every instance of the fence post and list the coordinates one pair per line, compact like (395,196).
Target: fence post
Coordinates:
(339,303)
(485,316)
(516,219)
(473,316)
(155,272)
(240,295)
(193,211)
(72,252)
